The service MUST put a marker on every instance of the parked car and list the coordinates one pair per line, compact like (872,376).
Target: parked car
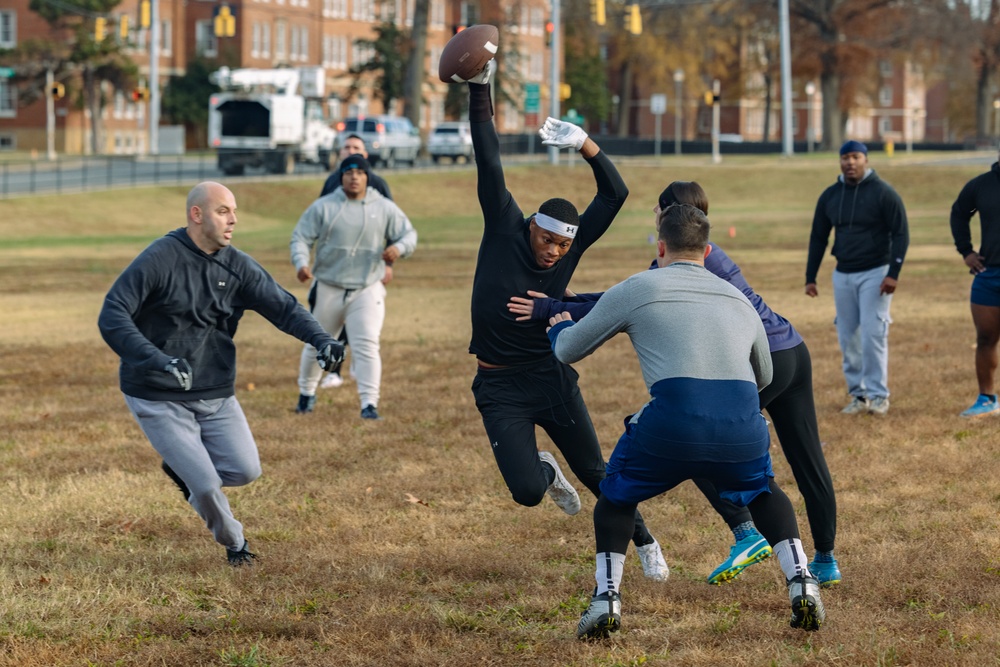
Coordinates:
(451,139)
(389,139)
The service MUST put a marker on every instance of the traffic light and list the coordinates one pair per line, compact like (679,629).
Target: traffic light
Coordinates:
(123,26)
(100,28)
(550,28)
(225,22)
(57,90)
(565,91)
(144,14)
(711,98)
(597,13)
(634,20)
(140,94)
(457,28)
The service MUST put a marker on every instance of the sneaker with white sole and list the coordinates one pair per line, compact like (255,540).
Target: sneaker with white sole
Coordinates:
(602,617)
(878,405)
(654,566)
(751,549)
(807,607)
(857,405)
(331,381)
(560,490)
(985,405)
(827,573)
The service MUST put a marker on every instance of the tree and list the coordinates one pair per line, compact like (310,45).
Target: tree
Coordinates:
(185,99)
(414,80)
(93,61)
(391,49)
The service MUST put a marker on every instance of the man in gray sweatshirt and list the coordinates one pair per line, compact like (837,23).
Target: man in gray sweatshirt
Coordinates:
(171,316)
(354,231)
(704,356)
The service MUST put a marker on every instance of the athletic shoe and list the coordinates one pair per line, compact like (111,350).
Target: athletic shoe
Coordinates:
(827,574)
(177,480)
(369,412)
(751,549)
(306,404)
(856,406)
(331,381)
(653,564)
(603,616)
(879,405)
(560,490)
(241,557)
(986,404)
(807,607)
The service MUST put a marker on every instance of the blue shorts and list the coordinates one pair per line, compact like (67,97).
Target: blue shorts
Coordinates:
(637,472)
(986,288)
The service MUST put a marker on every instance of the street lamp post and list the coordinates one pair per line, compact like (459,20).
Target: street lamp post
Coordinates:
(810,96)
(996,118)
(716,113)
(678,93)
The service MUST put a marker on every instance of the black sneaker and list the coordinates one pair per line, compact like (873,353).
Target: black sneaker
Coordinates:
(306,404)
(602,617)
(241,557)
(369,412)
(807,608)
(177,480)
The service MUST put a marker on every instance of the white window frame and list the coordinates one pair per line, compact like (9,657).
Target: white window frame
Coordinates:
(206,43)
(885,96)
(8,99)
(167,38)
(8,29)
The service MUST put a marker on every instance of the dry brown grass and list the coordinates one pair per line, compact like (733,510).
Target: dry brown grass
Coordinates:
(103,564)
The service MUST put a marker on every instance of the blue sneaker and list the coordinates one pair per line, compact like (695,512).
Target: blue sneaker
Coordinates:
(751,549)
(827,574)
(986,404)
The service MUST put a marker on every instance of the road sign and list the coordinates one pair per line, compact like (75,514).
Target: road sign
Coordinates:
(573,117)
(6,72)
(531,98)
(658,104)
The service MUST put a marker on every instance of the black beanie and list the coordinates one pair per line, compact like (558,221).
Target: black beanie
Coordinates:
(356,161)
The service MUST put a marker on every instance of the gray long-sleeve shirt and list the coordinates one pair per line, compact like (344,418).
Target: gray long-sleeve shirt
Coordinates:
(349,236)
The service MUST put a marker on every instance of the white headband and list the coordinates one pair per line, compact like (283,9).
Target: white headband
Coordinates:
(556,226)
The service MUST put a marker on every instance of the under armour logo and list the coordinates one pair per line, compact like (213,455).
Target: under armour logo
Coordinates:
(222,283)
(569,229)
(496,444)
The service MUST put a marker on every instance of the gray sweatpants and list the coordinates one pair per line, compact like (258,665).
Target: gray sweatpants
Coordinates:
(209,445)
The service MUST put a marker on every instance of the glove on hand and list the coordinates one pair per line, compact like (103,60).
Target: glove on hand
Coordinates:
(181,370)
(484,77)
(331,355)
(561,134)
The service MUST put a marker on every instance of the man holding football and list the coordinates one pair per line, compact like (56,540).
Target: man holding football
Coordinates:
(519,383)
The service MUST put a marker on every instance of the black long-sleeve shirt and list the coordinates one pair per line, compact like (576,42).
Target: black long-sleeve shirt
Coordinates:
(175,300)
(871,226)
(981,194)
(506,265)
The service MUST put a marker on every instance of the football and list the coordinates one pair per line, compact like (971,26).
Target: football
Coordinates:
(466,54)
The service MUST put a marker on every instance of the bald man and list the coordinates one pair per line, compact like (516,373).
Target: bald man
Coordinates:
(171,316)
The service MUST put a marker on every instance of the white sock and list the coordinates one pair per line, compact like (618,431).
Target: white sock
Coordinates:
(609,571)
(792,558)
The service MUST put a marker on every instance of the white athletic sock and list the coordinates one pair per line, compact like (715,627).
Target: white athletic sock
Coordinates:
(792,558)
(609,571)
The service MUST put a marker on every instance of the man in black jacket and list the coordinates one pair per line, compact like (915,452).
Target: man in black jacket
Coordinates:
(982,194)
(520,383)
(171,316)
(870,245)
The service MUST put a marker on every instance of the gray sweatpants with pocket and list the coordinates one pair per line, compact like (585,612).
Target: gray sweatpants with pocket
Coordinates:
(209,445)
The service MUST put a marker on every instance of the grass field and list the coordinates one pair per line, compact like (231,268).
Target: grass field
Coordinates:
(397,543)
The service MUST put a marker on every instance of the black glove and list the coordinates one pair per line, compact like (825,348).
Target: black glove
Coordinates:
(330,355)
(181,370)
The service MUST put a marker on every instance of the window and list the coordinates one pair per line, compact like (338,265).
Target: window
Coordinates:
(885,68)
(206,43)
(8,29)
(7,142)
(884,125)
(437,14)
(885,96)
(265,40)
(537,21)
(255,41)
(280,40)
(468,15)
(408,21)
(294,45)
(166,38)
(303,43)
(8,99)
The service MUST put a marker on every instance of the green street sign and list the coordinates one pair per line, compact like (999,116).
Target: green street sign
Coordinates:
(532,95)
(573,117)
(6,72)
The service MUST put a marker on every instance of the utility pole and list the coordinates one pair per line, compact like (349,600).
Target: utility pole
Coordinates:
(678,94)
(154,77)
(716,113)
(50,116)
(554,75)
(787,147)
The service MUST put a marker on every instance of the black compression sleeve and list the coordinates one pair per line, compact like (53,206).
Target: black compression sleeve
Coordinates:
(480,104)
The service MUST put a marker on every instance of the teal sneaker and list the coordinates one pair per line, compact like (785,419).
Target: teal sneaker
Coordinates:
(986,404)
(827,574)
(751,549)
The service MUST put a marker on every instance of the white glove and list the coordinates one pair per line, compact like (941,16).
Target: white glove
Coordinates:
(487,73)
(562,134)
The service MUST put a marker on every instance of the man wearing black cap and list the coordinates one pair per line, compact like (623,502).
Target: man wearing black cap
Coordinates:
(870,245)
(348,267)
(520,383)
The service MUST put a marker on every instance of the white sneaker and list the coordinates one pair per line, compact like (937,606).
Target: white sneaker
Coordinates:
(560,490)
(653,564)
(879,405)
(856,406)
(331,381)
